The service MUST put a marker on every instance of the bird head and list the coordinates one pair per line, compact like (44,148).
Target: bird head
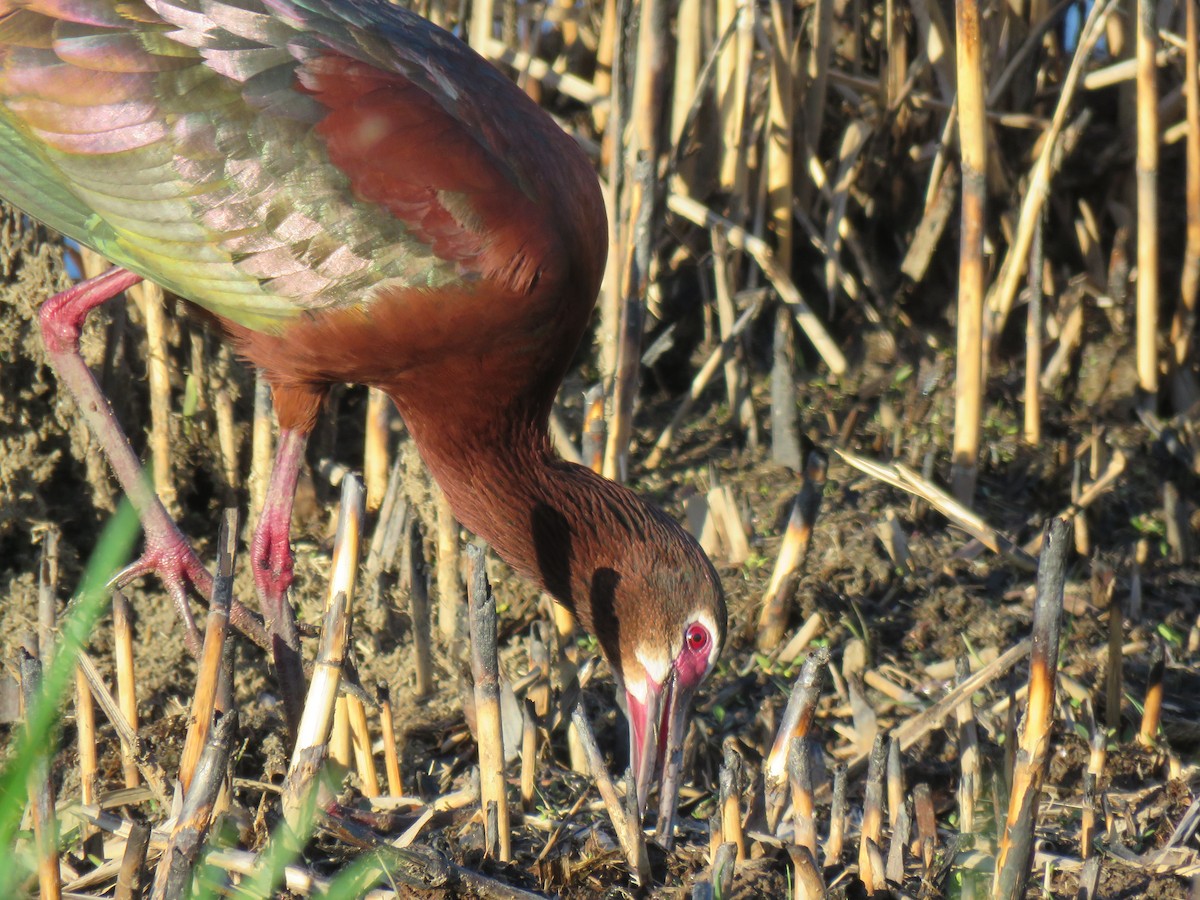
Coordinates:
(670,629)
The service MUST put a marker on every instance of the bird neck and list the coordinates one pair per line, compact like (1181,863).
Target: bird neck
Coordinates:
(564,527)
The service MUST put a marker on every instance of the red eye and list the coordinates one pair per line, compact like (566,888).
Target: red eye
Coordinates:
(697,638)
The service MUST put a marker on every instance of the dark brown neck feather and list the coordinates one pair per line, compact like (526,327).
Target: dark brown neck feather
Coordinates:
(592,544)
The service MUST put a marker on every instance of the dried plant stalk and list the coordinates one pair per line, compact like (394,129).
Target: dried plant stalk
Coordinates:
(48,596)
(418,607)
(1152,707)
(871,870)
(629,834)
(450,595)
(360,735)
(150,299)
(731,807)
(485,668)
(41,791)
(390,757)
(972,138)
(85,725)
(313,733)
(1147,198)
(1033,754)
(1184,323)
(188,837)
(205,697)
(126,676)
(772,620)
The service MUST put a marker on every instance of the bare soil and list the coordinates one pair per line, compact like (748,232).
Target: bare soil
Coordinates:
(951,598)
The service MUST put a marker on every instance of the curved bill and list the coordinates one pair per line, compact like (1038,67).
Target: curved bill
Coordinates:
(657,727)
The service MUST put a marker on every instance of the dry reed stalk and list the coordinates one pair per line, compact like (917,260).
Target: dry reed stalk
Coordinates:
(730,797)
(1184,322)
(643,211)
(634,280)
(1152,707)
(797,715)
(131,747)
(773,619)
(485,670)
(1004,289)
(528,755)
(41,791)
(360,735)
(741,406)
(126,676)
(133,863)
(418,608)
(926,843)
(1033,342)
(341,742)
(482,23)
(970,769)
(1033,754)
(449,561)
(870,862)
(602,80)
(723,351)
(688,30)
(188,837)
(778,182)
(48,596)
(85,725)
(809,884)
(1104,596)
(896,790)
(1146,43)
(740,239)
(629,832)
(901,476)
(150,300)
(801,781)
(226,442)
(832,851)
(204,700)
(375,449)
(1087,496)
(260,442)
(388,725)
(970,374)
(317,719)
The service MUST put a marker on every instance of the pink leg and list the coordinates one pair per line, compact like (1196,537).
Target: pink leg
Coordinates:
(166,552)
(271,558)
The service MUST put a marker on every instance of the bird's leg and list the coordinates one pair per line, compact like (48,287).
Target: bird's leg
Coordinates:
(167,552)
(271,559)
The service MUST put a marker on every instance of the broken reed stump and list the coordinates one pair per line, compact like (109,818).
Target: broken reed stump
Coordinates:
(485,670)
(316,722)
(126,676)
(422,627)
(204,700)
(188,837)
(1033,754)
(772,621)
(795,723)
(41,791)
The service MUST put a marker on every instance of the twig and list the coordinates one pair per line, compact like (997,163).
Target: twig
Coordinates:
(1033,755)
(485,669)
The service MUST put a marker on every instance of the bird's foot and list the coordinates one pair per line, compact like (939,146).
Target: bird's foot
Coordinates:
(178,567)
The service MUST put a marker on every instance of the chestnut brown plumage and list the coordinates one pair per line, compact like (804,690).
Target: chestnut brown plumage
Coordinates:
(352,195)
